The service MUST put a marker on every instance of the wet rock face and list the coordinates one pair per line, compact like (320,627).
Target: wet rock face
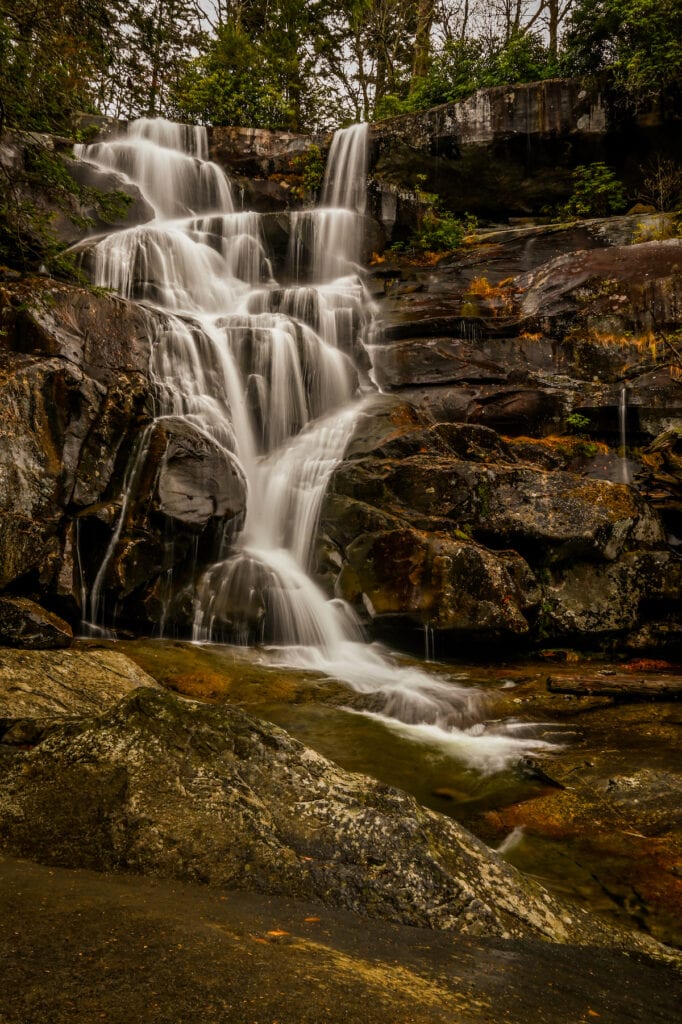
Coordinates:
(452,527)
(73,388)
(198,480)
(186,791)
(76,400)
(256,152)
(559,360)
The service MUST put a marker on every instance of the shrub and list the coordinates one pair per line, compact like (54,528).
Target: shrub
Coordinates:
(597,192)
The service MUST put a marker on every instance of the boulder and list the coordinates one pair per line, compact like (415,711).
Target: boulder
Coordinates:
(24,623)
(38,685)
(130,209)
(187,791)
(449,585)
(588,601)
(199,480)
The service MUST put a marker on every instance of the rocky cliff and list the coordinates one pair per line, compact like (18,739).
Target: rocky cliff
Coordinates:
(487,495)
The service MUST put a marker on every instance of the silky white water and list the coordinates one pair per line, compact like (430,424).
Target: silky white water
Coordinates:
(268,374)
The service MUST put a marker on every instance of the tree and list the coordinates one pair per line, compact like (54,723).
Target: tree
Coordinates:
(233,83)
(145,66)
(637,42)
(51,54)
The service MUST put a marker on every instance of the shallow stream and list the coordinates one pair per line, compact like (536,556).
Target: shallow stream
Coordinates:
(558,815)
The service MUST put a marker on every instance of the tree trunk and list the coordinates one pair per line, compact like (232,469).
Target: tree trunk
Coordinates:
(422,42)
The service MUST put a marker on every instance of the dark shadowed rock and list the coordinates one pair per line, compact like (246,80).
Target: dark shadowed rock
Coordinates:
(186,791)
(24,623)
(73,389)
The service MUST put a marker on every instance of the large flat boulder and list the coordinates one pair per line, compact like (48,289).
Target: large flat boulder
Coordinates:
(48,684)
(182,790)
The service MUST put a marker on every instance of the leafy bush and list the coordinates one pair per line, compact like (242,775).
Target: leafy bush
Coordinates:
(439,232)
(309,167)
(597,192)
(577,423)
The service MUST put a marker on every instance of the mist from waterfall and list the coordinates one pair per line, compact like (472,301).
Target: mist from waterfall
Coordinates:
(267,375)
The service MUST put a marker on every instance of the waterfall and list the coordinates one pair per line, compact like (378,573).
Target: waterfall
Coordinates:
(268,376)
(623,467)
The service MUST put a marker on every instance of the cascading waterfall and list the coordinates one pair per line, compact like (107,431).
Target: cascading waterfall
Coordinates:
(270,375)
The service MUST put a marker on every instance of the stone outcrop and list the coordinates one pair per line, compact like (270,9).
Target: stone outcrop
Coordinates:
(76,447)
(447,526)
(74,386)
(555,106)
(507,151)
(187,791)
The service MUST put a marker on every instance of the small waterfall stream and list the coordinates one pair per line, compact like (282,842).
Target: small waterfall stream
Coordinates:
(266,374)
(623,466)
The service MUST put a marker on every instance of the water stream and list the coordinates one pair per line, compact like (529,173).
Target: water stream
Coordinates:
(623,466)
(270,376)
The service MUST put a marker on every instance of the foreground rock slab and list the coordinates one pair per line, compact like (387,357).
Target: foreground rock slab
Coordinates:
(47,684)
(77,946)
(181,790)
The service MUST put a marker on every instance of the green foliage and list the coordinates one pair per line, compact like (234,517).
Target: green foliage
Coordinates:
(29,201)
(453,74)
(309,166)
(577,423)
(523,58)
(465,65)
(51,53)
(236,82)
(637,42)
(596,192)
(437,230)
